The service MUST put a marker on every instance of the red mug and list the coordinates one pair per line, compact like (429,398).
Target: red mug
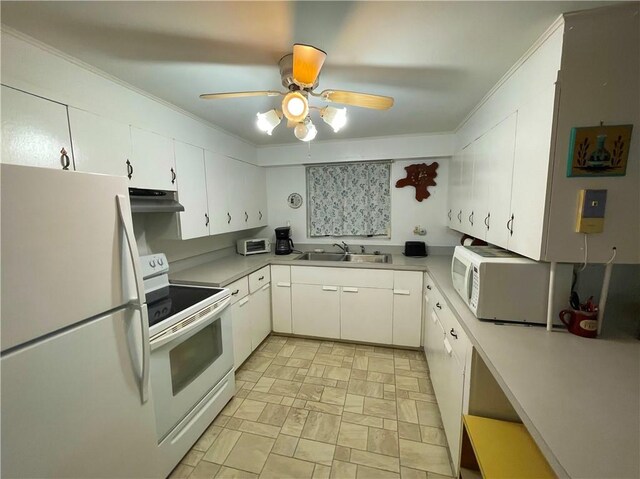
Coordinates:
(581,323)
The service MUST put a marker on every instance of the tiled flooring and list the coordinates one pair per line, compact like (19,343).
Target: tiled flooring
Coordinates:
(319,409)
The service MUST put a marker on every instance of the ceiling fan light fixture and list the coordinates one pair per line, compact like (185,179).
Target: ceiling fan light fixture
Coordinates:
(268,121)
(305,131)
(307,62)
(295,106)
(336,118)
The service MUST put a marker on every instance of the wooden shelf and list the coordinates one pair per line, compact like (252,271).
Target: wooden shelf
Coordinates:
(501,449)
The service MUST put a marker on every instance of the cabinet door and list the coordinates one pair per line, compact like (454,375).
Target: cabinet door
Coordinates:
(434,347)
(366,315)
(256,197)
(479,205)
(407,308)
(217,171)
(530,174)
(500,167)
(192,191)
(455,191)
(71,404)
(315,310)
(466,188)
(450,403)
(241,313)
(152,161)
(281,298)
(238,192)
(35,131)
(261,318)
(100,145)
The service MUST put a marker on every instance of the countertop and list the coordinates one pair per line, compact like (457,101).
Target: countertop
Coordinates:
(579,398)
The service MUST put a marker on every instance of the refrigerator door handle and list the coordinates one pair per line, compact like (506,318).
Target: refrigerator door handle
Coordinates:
(124,210)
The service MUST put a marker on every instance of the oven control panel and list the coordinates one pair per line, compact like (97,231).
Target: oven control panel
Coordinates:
(154,264)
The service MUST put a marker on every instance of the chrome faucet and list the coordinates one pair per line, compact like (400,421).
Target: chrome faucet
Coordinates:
(344,247)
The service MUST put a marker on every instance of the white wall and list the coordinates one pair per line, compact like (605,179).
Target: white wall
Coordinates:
(406,211)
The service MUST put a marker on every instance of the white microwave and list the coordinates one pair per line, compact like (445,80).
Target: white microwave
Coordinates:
(499,285)
(253,246)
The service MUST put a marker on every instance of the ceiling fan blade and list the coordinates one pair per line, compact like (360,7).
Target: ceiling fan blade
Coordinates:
(364,100)
(307,62)
(238,94)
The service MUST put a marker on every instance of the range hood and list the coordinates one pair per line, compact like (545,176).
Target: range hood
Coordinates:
(153,201)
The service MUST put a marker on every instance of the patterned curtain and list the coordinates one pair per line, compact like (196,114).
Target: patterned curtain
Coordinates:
(351,199)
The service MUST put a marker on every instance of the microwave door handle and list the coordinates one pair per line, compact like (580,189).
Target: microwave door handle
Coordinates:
(124,211)
(469,282)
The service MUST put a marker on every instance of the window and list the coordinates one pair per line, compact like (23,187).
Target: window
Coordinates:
(349,199)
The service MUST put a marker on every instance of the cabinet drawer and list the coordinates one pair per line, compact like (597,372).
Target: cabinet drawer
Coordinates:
(259,278)
(455,337)
(239,289)
(364,278)
(429,284)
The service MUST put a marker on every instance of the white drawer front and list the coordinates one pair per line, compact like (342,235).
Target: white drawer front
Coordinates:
(364,278)
(239,289)
(259,278)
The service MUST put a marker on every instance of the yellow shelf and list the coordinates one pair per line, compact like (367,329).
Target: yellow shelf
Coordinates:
(505,449)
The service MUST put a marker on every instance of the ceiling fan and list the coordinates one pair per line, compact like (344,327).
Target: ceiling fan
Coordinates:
(299,72)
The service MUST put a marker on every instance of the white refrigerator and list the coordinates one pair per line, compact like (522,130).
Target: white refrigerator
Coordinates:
(74,329)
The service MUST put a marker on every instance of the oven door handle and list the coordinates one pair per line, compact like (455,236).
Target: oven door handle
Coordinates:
(124,211)
(186,325)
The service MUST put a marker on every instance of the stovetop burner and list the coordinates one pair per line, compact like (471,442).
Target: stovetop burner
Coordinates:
(176,299)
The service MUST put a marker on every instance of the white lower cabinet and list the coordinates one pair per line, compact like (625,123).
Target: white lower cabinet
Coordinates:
(365,314)
(407,308)
(281,298)
(241,317)
(261,315)
(315,310)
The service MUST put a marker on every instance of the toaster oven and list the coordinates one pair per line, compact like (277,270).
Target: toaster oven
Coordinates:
(253,246)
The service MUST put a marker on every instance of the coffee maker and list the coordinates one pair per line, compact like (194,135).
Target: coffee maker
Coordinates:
(284,244)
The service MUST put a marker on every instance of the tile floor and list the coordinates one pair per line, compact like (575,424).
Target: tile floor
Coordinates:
(322,409)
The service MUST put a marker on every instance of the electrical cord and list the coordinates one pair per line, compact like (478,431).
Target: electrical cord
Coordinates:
(613,256)
(586,254)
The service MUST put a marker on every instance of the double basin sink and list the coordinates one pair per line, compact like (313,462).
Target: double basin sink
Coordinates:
(348,257)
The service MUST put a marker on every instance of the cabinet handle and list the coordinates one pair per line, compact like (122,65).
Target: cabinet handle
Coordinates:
(429,287)
(266,286)
(64,159)
(283,285)
(402,292)
(460,216)
(329,288)
(229,218)
(471,218)
(510,225)
(260,278)
(453,333)
(246,217)
(349,290)
(449,215)
(173,176)
(486,221)
(260,215)
(206,216)
(438,306)
(243,301)
(235,292)
(129,169)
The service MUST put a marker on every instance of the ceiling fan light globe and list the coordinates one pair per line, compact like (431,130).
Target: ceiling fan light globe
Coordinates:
(336,118)
(305,131)
(295,106)
(268,121)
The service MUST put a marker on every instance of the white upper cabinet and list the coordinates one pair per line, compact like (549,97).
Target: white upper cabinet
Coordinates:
(152,164)
(194,221)
(35,131)
(100,145)
(217,170)
(454,214)
(256,197)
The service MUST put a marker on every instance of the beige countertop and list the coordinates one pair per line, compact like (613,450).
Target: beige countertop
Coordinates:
(579,398)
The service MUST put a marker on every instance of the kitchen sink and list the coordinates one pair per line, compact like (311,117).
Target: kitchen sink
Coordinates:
(322,256)
(349,257)
(368,258)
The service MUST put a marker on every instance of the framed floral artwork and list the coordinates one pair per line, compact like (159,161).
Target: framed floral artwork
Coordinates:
(599,150)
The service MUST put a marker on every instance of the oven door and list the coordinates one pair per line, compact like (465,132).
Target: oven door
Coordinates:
(188,363)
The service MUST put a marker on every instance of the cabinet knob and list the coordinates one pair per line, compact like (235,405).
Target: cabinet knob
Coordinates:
(246,217)
(471,218)
(453,333)
(228,218)
(438,306)
(429,287)
(510,225)
(260,278)
(206,217)
(260,215)
(64,159)
(486,221)
(460,216)
(449,215)
(173,176)
(129,169)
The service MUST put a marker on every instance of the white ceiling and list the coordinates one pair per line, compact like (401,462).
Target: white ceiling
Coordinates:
(437,59)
